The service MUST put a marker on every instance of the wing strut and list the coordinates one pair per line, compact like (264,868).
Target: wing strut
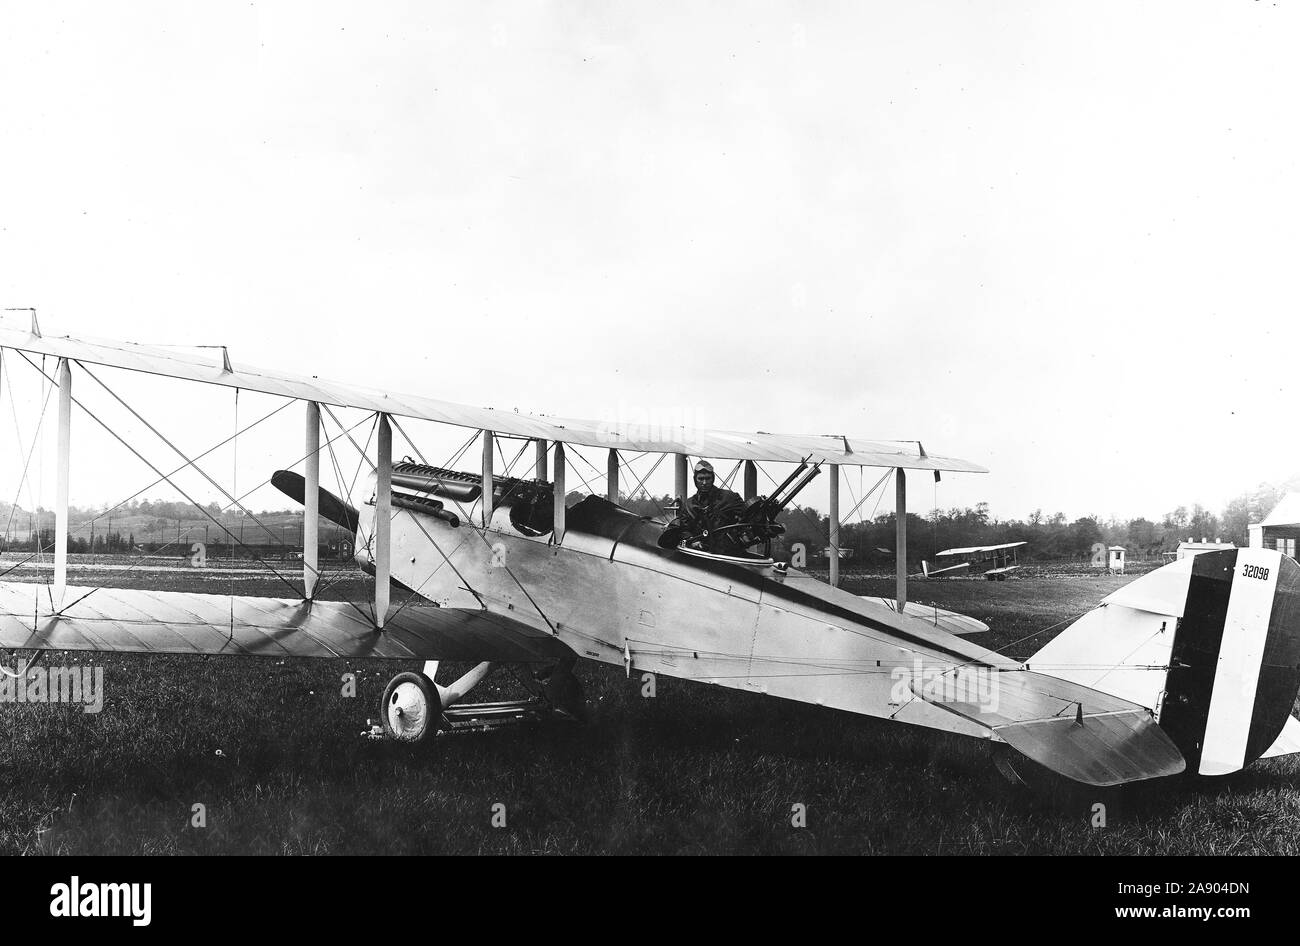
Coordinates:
(163,476)
(900,530)
(681,476)
(539,460)
(611,476)
(558,493)
(833,524)
(311,505)
(383,520)
(487,479)
(61,501)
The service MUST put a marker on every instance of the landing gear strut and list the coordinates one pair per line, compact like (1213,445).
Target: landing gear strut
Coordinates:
(414,706)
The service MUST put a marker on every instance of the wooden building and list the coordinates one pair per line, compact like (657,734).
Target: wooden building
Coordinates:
(1280,529)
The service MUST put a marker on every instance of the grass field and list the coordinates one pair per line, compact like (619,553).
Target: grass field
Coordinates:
(274,753)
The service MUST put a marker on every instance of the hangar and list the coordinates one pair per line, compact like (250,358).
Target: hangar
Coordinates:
(1280,528)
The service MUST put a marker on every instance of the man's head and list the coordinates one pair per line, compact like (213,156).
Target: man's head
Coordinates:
(704,475)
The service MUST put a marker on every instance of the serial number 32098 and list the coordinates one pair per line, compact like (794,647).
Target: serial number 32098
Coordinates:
(1254,571)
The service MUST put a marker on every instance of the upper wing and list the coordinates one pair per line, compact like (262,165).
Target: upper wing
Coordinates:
(169,622)
(723,444)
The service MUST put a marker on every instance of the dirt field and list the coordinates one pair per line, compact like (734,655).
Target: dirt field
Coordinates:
(274,753)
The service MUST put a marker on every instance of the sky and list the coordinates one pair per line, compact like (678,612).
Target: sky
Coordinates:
(1057,239)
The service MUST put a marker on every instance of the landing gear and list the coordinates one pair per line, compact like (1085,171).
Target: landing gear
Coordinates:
(411,708)
(415,707)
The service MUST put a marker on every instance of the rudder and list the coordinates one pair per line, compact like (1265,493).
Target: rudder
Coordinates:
(1234,668)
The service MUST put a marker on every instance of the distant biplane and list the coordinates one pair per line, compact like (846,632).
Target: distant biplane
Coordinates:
(994,562)
(1195,666)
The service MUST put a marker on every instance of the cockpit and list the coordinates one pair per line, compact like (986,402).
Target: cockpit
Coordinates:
(744,533)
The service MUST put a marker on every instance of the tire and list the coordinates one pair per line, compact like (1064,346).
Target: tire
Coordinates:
(410,710)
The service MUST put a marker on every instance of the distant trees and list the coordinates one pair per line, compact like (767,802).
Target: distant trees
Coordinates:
(1084,534)
(1143,535)
(1203,524)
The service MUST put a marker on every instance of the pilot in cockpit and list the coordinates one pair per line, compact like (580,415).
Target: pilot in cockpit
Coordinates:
(712,505)
(700,516)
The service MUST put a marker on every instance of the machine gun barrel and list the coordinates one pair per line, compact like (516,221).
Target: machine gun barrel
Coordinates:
(783,494)
(798,488)
(803,465)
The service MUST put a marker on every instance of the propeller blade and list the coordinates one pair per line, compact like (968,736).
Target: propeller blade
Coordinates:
(332,508)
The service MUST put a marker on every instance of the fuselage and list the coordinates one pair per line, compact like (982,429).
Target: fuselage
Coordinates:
(608,592)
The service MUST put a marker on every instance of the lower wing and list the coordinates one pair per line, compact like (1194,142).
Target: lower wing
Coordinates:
(169,622)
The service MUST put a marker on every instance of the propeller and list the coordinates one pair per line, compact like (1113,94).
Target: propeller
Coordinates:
(331,507)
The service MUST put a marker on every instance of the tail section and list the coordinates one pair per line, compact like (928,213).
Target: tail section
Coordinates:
(1235,665)
(1210,644)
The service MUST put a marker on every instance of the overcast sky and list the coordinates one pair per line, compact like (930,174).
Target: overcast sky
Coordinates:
(1057,239)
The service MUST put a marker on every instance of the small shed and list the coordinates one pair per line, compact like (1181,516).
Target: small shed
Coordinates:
(1115,559)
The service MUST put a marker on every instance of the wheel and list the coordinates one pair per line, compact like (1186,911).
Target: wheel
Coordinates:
(410,709)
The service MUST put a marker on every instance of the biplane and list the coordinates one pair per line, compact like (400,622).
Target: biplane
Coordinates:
(1193,667)
(994,562)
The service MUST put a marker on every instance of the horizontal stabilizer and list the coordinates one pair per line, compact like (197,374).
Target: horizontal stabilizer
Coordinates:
(1085,735)
(1100,750)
